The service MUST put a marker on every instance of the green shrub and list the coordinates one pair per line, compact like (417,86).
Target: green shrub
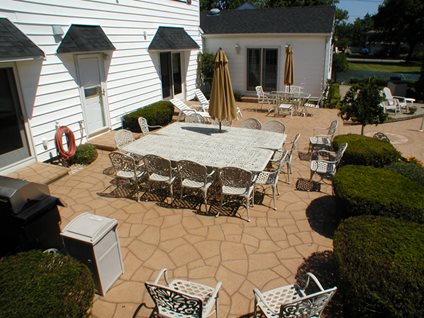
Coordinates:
(159,113)
(378,191)
(409,170)
(84,155)
(334,97)
(36,284)
(366,151)
(381,267)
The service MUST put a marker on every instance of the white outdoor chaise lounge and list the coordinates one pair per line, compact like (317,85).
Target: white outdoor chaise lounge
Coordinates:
(185,110)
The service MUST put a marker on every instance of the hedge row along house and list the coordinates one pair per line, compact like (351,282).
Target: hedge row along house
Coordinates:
(86,63)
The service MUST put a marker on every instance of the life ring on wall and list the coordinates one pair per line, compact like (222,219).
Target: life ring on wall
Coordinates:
(70,140)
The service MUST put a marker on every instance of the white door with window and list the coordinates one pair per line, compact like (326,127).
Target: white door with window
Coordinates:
(92,85)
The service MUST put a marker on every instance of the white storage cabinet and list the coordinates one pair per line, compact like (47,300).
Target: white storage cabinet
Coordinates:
(93,240)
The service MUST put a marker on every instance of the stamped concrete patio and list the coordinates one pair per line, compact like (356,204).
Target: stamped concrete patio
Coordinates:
(264,253)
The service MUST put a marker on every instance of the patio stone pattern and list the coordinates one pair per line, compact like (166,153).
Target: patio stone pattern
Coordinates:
(264,253)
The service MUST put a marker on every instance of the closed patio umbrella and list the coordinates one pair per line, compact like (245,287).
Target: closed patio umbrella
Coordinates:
(288,67)
(222,104)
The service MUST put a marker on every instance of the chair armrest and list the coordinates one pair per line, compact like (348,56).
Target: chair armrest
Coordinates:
(260,298)
(400,98)
(216,290)
(315,279)
(210,175)
(155,126)
(162,272)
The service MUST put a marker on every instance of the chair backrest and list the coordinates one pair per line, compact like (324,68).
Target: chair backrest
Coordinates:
(182,107)
(251,123)
(274,126)
(173,303)
(294,146)
(259,91)
(158,165)
(201,97)
(122,162)
(194,118)
(388,94)
(333,126)
(340,152)
(123,137)
(293,89)
(235,177)
(143,125)
(192,170)
(309,306)
(381,136)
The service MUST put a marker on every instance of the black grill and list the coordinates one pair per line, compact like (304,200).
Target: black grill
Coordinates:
(29,217)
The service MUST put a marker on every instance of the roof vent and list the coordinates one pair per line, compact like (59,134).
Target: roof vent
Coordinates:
(214,11)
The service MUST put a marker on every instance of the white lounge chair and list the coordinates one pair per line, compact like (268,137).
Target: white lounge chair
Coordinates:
(186,110)
(262,97)
(396,102)
(204,103)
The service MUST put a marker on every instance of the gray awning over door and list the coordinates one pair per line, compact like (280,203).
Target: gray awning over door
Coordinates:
(15,45)
(85,38)
(169,39)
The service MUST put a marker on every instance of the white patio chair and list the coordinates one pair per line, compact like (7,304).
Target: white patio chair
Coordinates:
(326,168)
(274,126)
(325,140)
(237,182)
(123,137)
(126,169)
(270,179)
(262,97)
(204,103)
(251,123)
(159,170)
(144,126)
(195,176)
(185,110)
(287,155)
(392,101)
(183,299)
(295,90)
(293,301)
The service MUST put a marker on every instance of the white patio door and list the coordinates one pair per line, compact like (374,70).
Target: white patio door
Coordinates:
(91,76)
(13,139)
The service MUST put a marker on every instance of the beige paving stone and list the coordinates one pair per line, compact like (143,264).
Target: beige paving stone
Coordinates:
(125,310)
(208,249)
(237,266)
(306,249)
(238,304)
(136,229)
(103,309)
(232,251)
(142,250)
(160,259)
(268,246)
(125,292)
(256,261)
(288,253)
(282,271)
(184,254)
(305,236)
(131,265)
(250,240)
(260,278)
(151,235)
(232,280)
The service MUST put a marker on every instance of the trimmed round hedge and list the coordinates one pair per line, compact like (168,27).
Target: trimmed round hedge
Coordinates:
(156,114)
(36,284)
(366,151)
(409,170)
(378,191)
(84,155)
(381,267)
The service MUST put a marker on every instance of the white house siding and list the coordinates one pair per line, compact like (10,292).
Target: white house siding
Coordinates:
(49,88)
(309,57)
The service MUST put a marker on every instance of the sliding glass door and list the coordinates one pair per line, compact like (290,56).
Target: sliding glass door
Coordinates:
(262,69)
(170,66)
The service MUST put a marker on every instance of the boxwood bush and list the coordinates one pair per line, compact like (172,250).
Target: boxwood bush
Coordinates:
(409,170)
(381,267)
(159,113)
(366,151)
(378,191)
(85,154)
(36,284)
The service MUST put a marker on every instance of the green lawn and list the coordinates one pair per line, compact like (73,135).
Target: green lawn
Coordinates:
(380,67)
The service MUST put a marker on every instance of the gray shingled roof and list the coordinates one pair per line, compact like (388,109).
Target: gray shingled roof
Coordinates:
(85,38)
(169,38)
(314,19)
(14,44)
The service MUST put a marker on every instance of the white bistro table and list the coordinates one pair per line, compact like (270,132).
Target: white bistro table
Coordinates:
(248,149)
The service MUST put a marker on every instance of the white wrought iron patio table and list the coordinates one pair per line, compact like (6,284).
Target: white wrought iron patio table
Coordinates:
(237,147)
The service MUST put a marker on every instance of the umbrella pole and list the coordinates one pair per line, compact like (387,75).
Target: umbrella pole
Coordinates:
(219,126)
